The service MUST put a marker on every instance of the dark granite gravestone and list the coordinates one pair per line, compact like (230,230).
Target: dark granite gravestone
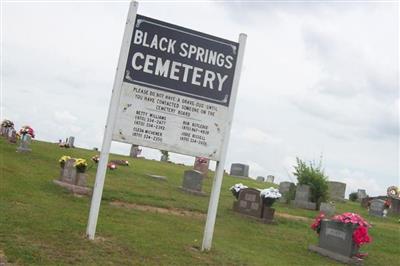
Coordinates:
(376,208)
(336,191)
(260,179)
(24,143)
(287,189)
(302,198)
(336,241)
(239,170)
(327,208)
(249,203)
(72,180)
(193,182)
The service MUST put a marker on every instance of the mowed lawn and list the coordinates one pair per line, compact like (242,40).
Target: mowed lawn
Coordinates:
(43,224)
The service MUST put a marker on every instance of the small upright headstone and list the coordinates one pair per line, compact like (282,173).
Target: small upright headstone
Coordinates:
(327,208)
(260,179)
(249,202)
(336,191)
(376,208)
(24,143)
(193,182)
(135,151)
(287,189)
(395,206)
(361,194)
(270,178)
(71,141)
(302,198)
(72,180)
(12,136)
(239,170)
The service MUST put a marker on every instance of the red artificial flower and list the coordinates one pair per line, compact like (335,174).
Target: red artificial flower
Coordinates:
(360,236)
(316,226)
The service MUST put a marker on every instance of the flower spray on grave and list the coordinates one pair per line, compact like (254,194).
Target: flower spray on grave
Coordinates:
(360,235)
(26,130)
(269,196)
(235,189)
(63,160)
(7,123)
(111,166)
(80,165)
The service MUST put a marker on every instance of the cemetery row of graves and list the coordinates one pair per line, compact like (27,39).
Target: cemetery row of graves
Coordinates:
(153,212)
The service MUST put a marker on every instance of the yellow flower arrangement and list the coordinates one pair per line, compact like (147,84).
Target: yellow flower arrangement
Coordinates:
(63,159)
(80,165)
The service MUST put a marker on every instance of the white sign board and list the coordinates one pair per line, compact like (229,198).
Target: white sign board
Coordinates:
(176,89)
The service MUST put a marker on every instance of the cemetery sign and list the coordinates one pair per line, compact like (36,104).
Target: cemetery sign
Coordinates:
(176,89)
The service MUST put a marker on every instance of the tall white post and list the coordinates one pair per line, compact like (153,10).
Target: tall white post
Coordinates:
(219,171)
(112,112)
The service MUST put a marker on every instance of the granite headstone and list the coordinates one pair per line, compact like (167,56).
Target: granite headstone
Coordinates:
(239,170)
(302,198)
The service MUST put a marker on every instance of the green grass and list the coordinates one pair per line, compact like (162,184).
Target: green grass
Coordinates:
(43,224)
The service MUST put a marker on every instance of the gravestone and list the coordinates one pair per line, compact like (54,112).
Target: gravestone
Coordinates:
(239,170)
(270,178)
(336,241)
(336,191)
(201,164)
(24,143)
(72,180)
(287,189)
(250,203)
(365,201)
(12,136)
(135,151)
(193,182)
(302,198)
(376,208)
(260,179)
(361,194)
(71,141)
(164,158)
(327,208)
(395,206)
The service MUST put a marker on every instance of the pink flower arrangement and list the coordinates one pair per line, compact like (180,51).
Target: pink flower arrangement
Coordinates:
(27,130)
(316,226)
(360,235)
(201,160)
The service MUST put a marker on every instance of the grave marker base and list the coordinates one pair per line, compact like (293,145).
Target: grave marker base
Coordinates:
(74,188)
(194,192)
(335,256)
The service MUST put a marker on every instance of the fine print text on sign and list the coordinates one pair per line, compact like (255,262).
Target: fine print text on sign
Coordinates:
(176,89)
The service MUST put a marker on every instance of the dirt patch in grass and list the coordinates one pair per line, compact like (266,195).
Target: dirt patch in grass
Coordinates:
(292,217)
(148,208)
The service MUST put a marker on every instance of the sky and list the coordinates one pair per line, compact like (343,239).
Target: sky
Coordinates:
(320,79)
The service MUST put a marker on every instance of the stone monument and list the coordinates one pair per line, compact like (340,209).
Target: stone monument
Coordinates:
(287,189)
(260,179)
(270,178)
(193,182)
(24,143)
(336,191)
(239,170)
(71,141)
(336,241)
(327,208)
(376,208)
(361,194)
(12,136)
(135,151)
(72,180)
(250,203)
(302,198)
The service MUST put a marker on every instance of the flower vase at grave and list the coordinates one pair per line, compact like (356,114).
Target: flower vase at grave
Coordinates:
(268,201)
(24,144)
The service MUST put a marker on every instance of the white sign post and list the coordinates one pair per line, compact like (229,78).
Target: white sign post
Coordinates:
(175,90)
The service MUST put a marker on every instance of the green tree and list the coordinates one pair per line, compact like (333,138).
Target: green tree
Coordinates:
(314,176)
(353,196)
